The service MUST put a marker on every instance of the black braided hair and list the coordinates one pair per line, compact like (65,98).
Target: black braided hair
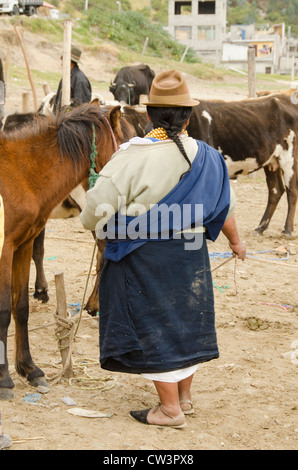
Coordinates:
(172,120)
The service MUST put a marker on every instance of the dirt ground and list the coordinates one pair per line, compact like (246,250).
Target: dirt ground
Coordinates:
(245,400)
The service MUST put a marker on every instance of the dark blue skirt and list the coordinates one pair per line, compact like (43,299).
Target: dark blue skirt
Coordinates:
(157,309)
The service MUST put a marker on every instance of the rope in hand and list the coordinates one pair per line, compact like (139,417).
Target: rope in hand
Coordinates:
(235,271)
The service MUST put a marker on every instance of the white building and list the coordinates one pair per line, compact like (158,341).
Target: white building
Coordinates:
(200,25)
(269,43)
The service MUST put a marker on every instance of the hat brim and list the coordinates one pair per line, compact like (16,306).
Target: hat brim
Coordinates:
(186,104)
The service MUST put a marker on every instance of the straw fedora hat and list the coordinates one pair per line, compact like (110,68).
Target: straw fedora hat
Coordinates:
(169,89)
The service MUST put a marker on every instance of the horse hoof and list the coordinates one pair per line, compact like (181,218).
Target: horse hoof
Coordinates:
(39,382)
(6,394)
(286,234)
(259,231)
(92,313)
(42,296)
(256,233)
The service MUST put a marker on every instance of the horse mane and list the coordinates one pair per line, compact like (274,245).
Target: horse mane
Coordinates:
(74,130)
(71,129)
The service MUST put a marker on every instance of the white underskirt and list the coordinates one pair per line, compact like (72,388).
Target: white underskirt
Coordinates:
(172,376)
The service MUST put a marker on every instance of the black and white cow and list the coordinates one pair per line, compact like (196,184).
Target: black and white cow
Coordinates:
(253,134)
(132,81)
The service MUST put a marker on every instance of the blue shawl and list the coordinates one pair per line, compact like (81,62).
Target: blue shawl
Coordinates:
(206,185)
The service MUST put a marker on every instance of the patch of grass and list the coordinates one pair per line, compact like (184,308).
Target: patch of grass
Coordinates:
(130,29)
(51,29)
(20,75)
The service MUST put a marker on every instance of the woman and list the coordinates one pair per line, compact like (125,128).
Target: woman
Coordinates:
(156,294)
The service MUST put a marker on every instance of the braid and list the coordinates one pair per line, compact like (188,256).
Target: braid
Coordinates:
(172,120)
(174,136)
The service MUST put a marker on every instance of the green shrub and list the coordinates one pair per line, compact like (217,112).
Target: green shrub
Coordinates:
(131,28)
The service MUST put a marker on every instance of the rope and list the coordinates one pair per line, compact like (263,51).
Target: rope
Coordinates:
(90,382)
(93,175)
(112,134)
(63,324)
(221,264)
(214,255)
(85,291)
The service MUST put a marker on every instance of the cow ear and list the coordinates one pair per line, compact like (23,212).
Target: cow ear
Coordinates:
(115,116)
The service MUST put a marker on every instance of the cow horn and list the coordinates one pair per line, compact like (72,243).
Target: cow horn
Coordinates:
(131,85)
(113,83)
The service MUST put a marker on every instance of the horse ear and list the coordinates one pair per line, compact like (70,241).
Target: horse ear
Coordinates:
(96,102)
(115,116)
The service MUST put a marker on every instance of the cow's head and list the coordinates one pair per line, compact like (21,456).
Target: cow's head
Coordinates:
(123,92)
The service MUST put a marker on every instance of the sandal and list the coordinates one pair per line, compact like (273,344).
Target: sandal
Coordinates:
(188,409)
(142,416)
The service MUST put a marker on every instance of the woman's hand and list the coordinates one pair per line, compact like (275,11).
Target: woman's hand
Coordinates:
(230,231)
(238,249)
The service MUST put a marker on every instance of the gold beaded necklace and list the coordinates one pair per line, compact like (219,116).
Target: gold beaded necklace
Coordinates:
(160,133)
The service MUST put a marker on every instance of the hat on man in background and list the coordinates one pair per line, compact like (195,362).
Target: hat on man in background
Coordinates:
(75,54)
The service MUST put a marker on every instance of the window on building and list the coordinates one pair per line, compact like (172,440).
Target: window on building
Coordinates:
(182,32)
(206,8)
(206,33)
(182,8)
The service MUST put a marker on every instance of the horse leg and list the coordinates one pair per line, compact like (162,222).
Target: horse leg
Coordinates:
(20,276)
(275,191)
(41,285)
(6,384)
(92,305)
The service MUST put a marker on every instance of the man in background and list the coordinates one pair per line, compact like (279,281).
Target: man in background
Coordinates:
(80,86)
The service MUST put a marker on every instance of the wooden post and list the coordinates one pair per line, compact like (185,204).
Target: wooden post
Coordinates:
(63,333)
(46,88)
(6,69)
(251,59)
(28,68)
(66,63)
(293,69)
(145,45)
(25,101)
(184,54)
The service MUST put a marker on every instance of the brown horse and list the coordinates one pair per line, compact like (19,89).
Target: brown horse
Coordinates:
(71,206)
(40,165)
